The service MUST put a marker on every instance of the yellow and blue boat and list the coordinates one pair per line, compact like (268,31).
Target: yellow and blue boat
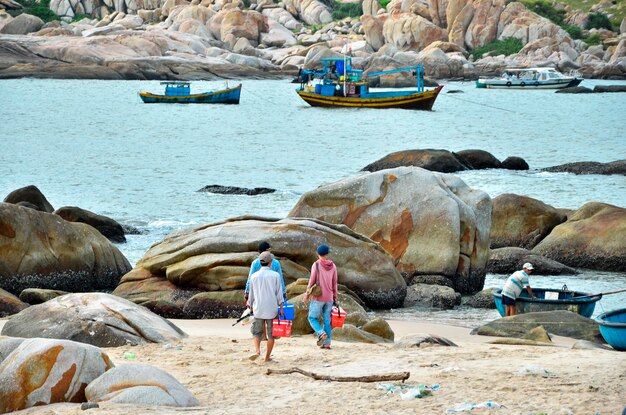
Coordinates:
(339,85)
(177,92)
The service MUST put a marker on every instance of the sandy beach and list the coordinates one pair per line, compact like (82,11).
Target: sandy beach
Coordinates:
(213,362)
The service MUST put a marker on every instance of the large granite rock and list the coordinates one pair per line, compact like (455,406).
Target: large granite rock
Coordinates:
(10,304)
(521,221)
(108,227)
(139,384)
(511,259)
(426,295)
(34,296)
(561,323)
(22,24)
(44,371)
(311,12)
(593,237)
(430,223)
(31,195)
(41,250)
(407,31)
(590,167)
(217,257)
(102,320)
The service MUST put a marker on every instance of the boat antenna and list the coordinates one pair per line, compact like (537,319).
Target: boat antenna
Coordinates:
(345,69)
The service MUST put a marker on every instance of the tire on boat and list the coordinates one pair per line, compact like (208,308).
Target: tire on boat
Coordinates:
(522,84)
(536,83)
(508,83)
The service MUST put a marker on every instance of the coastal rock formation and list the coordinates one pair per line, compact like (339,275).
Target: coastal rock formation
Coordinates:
(34,296)
(139,384)
(7,345)
(31,195)
(217,257)
(311,12)
(41,250)
(409,31)
(423,339)
(593,237)
(445,161)
(430,223)
(10,304)
(561,323)
(108,227)
(426,295)
(234,190)
(521,221)
(590,167)
(44,371)
(482,299)
(102,320)
(22,24)
(511,259)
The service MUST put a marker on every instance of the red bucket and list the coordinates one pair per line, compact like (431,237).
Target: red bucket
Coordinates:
(337,317)
(281,328)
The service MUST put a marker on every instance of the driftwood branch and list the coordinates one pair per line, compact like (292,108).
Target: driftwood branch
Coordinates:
(371,378)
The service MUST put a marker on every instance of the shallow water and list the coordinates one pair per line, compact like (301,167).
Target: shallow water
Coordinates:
(94,144)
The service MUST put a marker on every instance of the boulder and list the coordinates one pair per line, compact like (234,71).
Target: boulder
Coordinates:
(108,227)
(30,194)
(514,163)
(41,250)
(407,31)
(234,190)
(511,259)
(34,296)
(482,299)
(217,257)
(479,159)
(443,161)
(574,90)
(22,25)
(10,304)
(216,304)
(379,327)
(521,221)
(609,88)
(98,319)
(7,345)
(561,323)
(139,384)
(44,371)
(373,29)
(430,223)
(351,334)
(483,26)
(426,295)
(590,167)
(311,12)
(423,339)
(593,237)
(432,280)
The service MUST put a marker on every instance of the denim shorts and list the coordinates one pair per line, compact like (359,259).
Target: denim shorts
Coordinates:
(507,300)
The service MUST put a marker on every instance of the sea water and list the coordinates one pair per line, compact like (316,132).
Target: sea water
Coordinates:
(94,144)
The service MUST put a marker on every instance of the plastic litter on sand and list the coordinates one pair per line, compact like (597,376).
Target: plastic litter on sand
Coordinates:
(129,355)
(407,391)
(533,370)
(452,369)
(469,406)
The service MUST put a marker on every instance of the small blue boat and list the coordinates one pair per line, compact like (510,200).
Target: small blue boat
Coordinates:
(613,328)
(177,92)
(550,299)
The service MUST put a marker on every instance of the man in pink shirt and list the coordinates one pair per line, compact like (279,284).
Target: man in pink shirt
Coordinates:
(324,273)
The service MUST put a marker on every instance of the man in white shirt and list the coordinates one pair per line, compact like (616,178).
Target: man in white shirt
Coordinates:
(265,299)
(513,288)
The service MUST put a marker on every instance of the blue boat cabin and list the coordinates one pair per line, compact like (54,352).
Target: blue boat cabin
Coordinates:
(177,88)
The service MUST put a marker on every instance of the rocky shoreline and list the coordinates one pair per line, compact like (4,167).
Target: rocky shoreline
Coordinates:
(214,40)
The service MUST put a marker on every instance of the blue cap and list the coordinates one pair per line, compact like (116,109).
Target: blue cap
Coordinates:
(323,250)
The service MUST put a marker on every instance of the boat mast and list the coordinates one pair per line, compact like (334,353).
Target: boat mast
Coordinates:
(345,62)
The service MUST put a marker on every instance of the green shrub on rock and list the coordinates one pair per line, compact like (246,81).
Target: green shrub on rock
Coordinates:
(506,46)
(343,10)
(598,21)
(40,9)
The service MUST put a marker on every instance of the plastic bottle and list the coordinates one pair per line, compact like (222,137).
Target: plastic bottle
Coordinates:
(129,355)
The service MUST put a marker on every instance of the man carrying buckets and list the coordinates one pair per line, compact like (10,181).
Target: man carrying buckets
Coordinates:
(266,301)
(324,275)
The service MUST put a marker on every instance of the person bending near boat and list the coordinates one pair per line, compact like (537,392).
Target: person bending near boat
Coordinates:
(265,299)
(324,274)
(513,288)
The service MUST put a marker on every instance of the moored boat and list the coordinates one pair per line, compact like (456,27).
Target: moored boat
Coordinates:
(550,299)
(531,78)
(613,328)
(339,85)
(177,92)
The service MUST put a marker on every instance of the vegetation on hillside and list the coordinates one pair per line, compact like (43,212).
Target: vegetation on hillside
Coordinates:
(40,9)
(343,10)
(598,21)
(547,10)
(506,46)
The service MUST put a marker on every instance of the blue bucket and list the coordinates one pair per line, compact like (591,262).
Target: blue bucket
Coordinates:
(289,311)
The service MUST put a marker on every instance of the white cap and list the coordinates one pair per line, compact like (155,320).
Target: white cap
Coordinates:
(528,265)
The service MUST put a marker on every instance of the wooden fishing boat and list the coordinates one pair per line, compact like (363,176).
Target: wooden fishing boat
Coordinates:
(180,93)
(338,85)
(613,328)
(531,78)
(550,299)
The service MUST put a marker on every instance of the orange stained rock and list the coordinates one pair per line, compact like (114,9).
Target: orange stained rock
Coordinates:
(355,213)
(118,386)
(7,230)
(398,241)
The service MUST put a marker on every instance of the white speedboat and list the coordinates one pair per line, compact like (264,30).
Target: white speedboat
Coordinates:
(531,78)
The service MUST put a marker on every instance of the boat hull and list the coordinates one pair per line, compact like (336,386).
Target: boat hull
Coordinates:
(567,300)
(613,328)
(226,96)
(416,101)
(523,84)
